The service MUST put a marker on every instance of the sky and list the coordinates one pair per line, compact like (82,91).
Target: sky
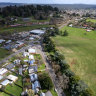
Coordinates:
(52,1)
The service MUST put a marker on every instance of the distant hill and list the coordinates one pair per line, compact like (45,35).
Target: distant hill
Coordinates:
(74,6)
(2,4)
(60,6)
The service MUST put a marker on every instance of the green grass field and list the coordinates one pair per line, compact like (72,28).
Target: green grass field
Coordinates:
(3,53)
(91,20)
(80,52)
(14,90)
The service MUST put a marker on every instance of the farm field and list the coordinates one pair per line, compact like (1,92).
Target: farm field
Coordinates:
(79,49)
(91,20)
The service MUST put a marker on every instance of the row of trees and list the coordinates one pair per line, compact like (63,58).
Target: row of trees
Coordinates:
(26,10)
(68,79)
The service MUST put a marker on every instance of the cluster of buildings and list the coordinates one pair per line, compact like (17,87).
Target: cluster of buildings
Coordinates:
(4,79)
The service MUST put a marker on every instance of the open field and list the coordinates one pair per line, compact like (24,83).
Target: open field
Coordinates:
(80,52)
(91,20)
(3,53)
(13,89)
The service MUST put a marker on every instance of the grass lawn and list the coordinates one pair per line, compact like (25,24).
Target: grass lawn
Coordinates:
(3,94)
(3,53)
(80,53)
(53,92)
(15,90)
(91,20)
(41,67)
(19,81)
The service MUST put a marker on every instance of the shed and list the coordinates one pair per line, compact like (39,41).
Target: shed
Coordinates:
(42,94)
(2,40)
(1,77)
(12,78)
(20,71)
(5,82)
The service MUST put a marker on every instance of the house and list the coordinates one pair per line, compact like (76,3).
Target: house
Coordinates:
(3,71)
(42,94)
(32,69)
(2,40)
(25,54)
(31,57)
(31,50)
(33,77)
(1,77)
(36,86)
(17,61)
(7,47)
(31,62)
(10,66)
(12,78)
(5,82)
(19,44)
(31,38)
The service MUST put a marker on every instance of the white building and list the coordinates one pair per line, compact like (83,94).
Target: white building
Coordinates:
(1,77)
(1,41)
(5,82)
(31,50)
(25,54)
(37,32)
(12,78)
(3,71)
(31,57)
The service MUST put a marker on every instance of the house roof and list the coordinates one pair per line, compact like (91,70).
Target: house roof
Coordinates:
(5,82)
(33,67)
(1,77)
(31,50)
(1,40)
(31,57)
(37,31)
(31,62)
(12,77)
(3,71)
(10,66)
(33,77)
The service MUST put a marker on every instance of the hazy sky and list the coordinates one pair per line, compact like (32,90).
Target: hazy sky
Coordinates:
(52,1)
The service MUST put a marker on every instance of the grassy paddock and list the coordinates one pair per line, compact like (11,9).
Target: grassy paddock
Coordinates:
(80,52)
(4,53)
(91,20)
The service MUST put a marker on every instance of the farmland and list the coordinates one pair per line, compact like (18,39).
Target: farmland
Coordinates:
(79,48)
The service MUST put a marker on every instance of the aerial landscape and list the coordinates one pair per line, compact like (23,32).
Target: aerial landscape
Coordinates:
(47,48)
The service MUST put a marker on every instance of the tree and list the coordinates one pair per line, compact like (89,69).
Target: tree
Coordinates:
(45,81)
(65,33)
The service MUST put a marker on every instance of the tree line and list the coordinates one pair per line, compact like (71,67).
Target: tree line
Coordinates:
(27,10)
